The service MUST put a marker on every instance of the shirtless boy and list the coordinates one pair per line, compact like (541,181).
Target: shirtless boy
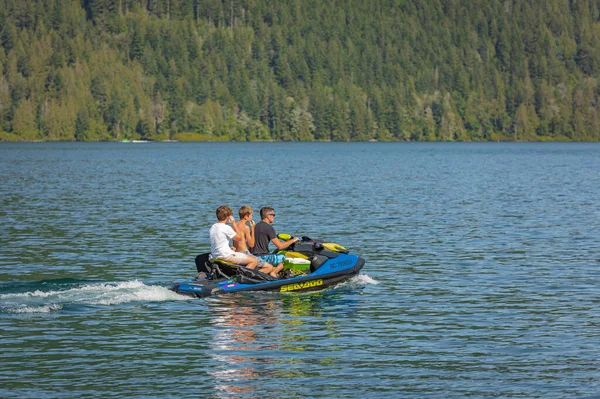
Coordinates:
(246,239)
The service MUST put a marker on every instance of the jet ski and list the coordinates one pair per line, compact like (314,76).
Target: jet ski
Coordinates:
(310,265)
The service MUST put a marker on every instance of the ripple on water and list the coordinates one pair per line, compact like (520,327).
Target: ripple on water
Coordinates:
(481,277)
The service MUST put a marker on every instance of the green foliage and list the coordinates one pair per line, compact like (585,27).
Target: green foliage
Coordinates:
(188,136)
(252,70)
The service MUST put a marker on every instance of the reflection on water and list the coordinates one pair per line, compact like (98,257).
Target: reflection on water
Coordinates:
(263,333)
(235,336)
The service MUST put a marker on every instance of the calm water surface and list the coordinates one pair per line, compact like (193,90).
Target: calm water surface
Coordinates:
(482,277)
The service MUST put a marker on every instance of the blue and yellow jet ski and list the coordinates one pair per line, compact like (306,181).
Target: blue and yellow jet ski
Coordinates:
(310,265)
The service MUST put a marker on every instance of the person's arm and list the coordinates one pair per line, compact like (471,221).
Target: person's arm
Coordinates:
(283,244)
(238,236)
(250,236)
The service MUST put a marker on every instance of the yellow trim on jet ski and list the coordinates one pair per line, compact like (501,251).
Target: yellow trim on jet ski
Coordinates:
(334,247)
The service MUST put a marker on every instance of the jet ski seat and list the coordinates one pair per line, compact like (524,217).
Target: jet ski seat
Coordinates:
(215,268)
(224,268)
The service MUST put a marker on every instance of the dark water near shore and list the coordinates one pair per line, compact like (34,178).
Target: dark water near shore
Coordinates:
(482,277)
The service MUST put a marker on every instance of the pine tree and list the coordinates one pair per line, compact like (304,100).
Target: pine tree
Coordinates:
(24,121)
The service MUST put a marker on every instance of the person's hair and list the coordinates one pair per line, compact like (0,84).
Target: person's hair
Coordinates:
(244,211)
(223,212)
(265,211)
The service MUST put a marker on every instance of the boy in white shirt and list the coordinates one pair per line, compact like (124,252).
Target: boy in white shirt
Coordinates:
(221,233)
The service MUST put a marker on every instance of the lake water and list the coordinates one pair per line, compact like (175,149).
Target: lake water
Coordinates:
(482,277)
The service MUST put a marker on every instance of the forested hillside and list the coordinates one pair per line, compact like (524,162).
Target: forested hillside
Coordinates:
(300,69)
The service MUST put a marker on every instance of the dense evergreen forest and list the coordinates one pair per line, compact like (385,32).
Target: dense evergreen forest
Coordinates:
(409,70)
